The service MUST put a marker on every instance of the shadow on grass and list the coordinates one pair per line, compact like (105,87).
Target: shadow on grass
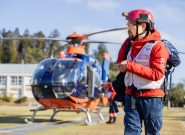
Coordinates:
(63,122)
(21,119)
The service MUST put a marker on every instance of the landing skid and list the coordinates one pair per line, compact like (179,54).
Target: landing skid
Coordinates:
(87,120)
(39,108)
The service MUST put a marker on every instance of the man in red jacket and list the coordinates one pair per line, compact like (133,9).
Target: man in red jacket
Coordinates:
(144,69)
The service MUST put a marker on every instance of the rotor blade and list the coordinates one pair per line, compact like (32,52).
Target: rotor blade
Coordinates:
(33,38)
(181,52)
(116,29)
(104,42)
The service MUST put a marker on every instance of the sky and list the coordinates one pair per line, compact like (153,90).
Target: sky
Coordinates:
(86,16)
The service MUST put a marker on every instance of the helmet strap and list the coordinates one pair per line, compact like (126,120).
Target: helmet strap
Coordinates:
(146,31)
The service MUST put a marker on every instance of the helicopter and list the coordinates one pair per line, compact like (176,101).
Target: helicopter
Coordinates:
(71,81)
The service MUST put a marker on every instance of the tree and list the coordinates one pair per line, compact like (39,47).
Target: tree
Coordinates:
(99,55)
(16,32)
(40,46)
(177,95)
(113,70)
(26,33)
(100,52)
(13,51)
(6,47)
(1,51)
(54,46)
(25,48)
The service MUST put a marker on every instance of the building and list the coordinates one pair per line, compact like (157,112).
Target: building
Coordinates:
(15,79)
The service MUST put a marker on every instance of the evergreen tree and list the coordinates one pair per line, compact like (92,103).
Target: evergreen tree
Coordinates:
(6,44)
(13,51)
(54,46)
(177,95)
(15,58)
(16,32)
(113,70)
(26,33)
(99,54)
(39,47)
(25,48)
(1,51)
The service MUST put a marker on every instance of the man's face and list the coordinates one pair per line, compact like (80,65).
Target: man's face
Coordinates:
(132,29)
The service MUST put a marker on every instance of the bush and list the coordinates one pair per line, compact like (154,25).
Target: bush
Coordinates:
(177,95)
(6,98)
(21,100)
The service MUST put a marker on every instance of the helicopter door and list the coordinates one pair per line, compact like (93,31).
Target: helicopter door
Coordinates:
(90,81)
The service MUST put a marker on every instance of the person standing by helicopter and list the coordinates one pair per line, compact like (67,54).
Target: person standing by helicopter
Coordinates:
(113,109)
(144,70)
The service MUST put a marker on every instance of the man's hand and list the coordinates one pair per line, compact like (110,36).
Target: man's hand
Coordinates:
(123,66)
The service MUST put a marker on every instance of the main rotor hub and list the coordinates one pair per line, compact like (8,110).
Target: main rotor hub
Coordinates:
(76,39)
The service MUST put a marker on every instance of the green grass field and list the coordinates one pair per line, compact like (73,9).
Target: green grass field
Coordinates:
(12,116)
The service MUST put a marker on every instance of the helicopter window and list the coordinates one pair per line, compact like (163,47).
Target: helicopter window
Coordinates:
(95,64)
(67,71)
(43,67)
(66,75)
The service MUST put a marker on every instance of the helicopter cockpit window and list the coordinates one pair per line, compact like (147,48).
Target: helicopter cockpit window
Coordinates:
(42,68)
(66,71)
(41,79)
(65,76)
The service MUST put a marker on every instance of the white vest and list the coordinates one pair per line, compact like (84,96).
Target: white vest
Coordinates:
(143,57)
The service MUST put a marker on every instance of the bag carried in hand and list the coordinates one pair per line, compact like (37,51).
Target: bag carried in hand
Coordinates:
(119,87)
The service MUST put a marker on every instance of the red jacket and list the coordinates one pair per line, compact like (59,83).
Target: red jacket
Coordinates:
(113,93)
(110,90)
(158,60)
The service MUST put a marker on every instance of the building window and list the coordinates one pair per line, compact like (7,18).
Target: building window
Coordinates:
(16,80)
(3,80)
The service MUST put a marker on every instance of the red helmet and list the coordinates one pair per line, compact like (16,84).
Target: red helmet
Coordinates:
(139,15)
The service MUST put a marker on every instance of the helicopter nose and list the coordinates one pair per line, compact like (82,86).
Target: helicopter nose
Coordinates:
(64,90)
